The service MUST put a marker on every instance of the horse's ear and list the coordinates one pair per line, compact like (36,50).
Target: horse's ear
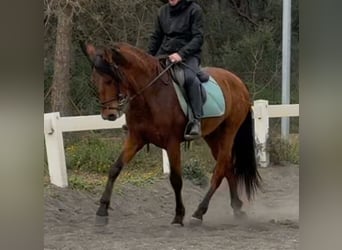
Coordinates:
(89,50)
(118,57)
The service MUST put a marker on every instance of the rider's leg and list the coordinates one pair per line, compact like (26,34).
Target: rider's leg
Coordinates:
(193,91)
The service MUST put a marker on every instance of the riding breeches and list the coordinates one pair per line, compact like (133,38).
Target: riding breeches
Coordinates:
(192,85)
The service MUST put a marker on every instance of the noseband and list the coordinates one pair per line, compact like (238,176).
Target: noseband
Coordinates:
(122,100)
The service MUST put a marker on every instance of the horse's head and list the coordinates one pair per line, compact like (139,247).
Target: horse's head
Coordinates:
(108,79)
(120,74)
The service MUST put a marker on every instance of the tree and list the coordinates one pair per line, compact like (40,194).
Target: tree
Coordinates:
(60,88)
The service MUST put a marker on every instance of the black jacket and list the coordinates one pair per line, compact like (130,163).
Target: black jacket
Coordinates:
(178,29)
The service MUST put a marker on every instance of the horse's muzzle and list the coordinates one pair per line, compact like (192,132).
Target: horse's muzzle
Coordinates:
(110,117)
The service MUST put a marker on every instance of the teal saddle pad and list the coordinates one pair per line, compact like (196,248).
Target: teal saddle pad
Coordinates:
(214,105)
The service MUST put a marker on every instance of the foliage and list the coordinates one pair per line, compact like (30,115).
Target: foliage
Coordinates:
(282,151)
(79,183)
(95,153)
(95,182)
(194,171)
(258,62)
(197,162)
(89,158)
(92,154)
(140,176)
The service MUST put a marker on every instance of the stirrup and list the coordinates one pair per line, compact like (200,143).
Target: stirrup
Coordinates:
(189,132)
(190,137)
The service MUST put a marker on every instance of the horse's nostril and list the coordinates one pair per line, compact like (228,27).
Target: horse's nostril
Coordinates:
(111,117)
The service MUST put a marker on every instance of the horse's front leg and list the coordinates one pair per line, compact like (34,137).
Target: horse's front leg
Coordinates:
(173,152)
(131,147)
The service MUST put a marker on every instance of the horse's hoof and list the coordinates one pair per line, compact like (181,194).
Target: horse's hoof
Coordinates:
(241,215)
(102,212)
(177,222)
(101,220)
(195,221)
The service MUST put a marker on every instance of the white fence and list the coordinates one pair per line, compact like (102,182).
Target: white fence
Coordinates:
(54,126)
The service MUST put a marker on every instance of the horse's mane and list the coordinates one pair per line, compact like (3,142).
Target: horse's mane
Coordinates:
(139,55)
(132,54)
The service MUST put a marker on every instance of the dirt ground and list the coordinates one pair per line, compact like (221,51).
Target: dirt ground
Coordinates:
(141,217)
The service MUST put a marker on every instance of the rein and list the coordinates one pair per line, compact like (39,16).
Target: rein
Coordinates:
(124,101)
(151,83)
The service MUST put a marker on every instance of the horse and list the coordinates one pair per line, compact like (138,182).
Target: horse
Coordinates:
(130,81)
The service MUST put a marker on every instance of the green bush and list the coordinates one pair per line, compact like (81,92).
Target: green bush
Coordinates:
(78,183)
(92,154)
(89,158)
(96,153)
(282,151)
(194,171)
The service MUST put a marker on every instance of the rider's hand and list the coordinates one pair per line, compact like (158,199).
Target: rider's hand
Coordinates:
(175,58)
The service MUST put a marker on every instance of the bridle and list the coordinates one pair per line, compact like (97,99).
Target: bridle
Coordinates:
(111,69)
(114,71)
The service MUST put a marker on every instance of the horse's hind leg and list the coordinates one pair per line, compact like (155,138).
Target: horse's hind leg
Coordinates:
(235,201)
(173,152)
(221,151)
(216,180)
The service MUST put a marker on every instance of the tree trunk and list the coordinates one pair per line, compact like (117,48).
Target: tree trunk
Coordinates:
(60,92)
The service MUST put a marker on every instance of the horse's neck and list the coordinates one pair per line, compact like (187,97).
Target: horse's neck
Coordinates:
(153,100)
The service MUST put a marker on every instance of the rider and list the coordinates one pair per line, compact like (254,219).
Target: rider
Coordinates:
(179,34)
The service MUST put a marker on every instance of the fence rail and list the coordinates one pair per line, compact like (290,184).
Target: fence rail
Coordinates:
(55,125)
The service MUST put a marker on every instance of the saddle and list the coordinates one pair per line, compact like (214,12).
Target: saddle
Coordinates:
(177,74)
(212,97)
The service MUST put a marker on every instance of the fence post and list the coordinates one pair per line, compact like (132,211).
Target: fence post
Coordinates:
(261,126)
(55,149)
(166,163)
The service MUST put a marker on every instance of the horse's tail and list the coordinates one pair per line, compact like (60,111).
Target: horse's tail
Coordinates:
(245,161)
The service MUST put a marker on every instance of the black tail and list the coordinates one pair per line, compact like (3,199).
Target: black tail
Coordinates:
(245,161)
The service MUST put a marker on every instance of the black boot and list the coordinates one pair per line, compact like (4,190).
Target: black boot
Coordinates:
(195,131)
(195,101)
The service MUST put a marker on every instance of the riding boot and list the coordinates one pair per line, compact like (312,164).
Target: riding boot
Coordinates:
(195,131)
(195,101)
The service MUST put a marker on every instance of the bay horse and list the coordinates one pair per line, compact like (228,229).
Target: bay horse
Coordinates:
(124,74)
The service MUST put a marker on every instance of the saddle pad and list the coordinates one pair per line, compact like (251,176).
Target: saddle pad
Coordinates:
(215,103)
